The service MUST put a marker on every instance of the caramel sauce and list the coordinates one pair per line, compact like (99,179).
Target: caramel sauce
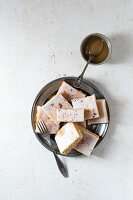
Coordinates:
(93,46)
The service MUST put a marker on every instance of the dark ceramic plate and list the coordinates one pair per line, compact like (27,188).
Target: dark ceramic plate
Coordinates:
(49,90)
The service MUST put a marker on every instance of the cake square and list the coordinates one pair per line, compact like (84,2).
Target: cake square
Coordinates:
(88,142)
(68,137)
(70,115)
(41,116)
(50,108)
(69,93)
(89,104)
(101,103)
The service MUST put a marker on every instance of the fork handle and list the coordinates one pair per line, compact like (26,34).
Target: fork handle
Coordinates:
(60,164)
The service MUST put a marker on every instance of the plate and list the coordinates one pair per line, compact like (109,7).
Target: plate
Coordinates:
(50,90)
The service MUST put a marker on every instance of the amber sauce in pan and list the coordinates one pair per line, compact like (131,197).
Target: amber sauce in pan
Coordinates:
(93,45)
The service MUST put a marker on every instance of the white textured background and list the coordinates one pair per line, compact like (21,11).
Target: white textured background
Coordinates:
(39,41)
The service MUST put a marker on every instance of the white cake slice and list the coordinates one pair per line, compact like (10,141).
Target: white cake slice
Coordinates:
(88,142)
(41,115)
(69,93)
(70,115)
(68,137)
(89,104)
(101,103)
(50,108)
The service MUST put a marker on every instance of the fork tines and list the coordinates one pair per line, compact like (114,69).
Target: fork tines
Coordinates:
(42,127)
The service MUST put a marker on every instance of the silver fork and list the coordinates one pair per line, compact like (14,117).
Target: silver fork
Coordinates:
(44,131)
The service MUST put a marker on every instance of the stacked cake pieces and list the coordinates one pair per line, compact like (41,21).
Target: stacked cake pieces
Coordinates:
(69,93)
(41,116)
(88,141)
(68,137)
(72,107)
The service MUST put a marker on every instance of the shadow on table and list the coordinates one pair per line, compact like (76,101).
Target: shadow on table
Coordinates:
(107,144)
(121,48)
